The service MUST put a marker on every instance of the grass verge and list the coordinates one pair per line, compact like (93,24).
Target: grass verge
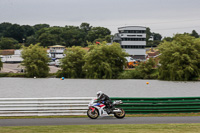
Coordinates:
(12,75)
(126,128)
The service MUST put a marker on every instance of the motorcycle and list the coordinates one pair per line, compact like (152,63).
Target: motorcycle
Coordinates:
(97,109)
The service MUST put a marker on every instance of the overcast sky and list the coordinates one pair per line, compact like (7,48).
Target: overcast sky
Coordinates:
(166,17)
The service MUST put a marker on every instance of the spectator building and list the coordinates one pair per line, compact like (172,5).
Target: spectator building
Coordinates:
(56,51)
(133,40)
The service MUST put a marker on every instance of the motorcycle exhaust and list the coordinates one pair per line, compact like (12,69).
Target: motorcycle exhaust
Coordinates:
(117,111)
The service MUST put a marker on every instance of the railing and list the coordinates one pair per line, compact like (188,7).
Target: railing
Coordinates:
(79,105)
(44,106)
(160,105)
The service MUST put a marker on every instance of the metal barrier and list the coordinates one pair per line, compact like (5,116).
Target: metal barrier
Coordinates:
(44,106)
(160,105)
(79,105)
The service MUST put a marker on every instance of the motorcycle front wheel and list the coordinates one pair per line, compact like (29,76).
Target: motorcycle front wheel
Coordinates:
(121,114)
(92,115)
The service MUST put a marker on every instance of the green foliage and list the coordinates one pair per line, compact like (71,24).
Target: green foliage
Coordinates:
(129,74)
(104,61)
(180,59)
(12,75)
(8,43)
(146,68)
(1,64)
(15,31)
(85,27)
(35,61)
(156,38)
(40,26)
(47,36)
(72,63)
(73,36)
(194,34)
(97,33)
(134,74)
(169,39)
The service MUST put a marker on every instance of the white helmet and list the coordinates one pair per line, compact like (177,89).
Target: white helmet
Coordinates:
(99,94)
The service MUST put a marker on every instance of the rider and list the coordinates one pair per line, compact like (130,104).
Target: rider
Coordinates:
(103,98)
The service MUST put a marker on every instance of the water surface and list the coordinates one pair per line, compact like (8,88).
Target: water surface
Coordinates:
(54,87)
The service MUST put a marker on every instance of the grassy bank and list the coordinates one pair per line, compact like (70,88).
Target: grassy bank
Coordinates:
(12,75)
(22,75)
(134,74)
(128,128)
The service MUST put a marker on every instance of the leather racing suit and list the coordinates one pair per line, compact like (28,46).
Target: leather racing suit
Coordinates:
(106,101)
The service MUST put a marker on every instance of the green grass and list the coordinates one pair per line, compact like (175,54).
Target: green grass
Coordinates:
(128,128)
(12,75)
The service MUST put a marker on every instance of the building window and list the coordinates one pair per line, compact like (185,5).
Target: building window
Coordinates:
(133,31)
(133,39)
(133,46)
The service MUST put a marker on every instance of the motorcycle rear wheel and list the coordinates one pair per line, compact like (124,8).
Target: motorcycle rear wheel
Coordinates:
(121,114)
(93,115)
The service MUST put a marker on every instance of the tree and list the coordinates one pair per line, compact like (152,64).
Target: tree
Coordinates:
(85,27)
(8,43)
(15,31)
(169,39)
(73,36)
(146,68)
(194,34)
(96,33)
(72,63)
(180,59)
(31,40)
(38,27)
(35,61)
(4,27)
(28,30)
(1,64)
(148,34)
(104,61)
(156,36)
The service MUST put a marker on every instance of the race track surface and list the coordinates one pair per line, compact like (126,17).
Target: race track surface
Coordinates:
(100,120)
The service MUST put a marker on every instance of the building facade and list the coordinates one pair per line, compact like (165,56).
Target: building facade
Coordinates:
(56,51)
(133,40)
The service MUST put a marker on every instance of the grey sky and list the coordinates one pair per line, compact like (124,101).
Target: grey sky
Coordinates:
(166,17)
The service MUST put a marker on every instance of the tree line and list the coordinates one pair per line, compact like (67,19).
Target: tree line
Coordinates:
(15,35)
(102,61)
(179,60)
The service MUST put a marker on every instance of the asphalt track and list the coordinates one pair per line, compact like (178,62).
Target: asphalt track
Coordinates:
(101,120)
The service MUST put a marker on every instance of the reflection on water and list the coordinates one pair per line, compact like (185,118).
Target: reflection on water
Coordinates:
(54,87)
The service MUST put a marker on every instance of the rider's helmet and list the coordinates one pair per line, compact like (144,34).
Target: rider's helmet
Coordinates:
(99,94)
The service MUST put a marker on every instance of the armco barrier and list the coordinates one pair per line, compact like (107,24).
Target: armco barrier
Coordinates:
(44,106)
(160,105)
(79,105)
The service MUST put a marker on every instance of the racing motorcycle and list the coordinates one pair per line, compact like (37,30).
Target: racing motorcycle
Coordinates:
(97,109)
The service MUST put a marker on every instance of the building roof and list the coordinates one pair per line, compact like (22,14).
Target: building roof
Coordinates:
(132,27)
(7,52)
(57,46)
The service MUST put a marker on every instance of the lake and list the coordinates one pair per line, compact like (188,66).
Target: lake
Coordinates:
(54,87)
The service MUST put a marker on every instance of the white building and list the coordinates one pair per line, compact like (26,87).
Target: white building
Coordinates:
(133,40)
(56,51)
(15,58)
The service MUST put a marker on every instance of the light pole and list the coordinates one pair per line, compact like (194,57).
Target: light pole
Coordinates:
(23,40)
